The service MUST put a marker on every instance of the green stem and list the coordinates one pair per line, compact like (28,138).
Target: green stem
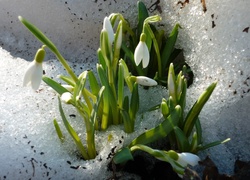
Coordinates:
(156,47)
(65,65)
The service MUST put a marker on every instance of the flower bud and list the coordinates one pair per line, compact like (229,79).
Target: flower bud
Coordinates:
(66,97)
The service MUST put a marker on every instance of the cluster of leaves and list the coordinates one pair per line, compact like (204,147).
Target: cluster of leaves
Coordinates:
(176,127)
(161,47)
(104,103)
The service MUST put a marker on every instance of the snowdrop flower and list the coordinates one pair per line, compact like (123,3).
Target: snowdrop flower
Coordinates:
(145,81)
(66,97)
(108,27)
(34,73)
(141,52)
(186,159)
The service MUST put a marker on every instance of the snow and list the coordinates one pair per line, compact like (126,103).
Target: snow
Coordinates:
(29,145)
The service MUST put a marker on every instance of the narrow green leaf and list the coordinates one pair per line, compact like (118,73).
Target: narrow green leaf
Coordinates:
(169,47)
(91,127)
(194,143)
(101,59)
(198,130)
(160,131)
(68,80)
(53,84)
(58,130)
(122,156)
(108,94)
(158,106)
(94,86)
(196,109)
(120,86)
(126,103)
(182,141)
(72,132)
(106,47)
(134,102)
(127,121)
(202,148)
(142,15)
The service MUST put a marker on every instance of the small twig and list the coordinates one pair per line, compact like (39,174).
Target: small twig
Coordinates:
(204,5)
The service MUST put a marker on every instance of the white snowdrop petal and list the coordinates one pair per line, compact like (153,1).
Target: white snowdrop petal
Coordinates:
(188,158)
(37,76)
(28,74)
(66,97)
(108,27)
(145,81)
(138,55)
(145,60)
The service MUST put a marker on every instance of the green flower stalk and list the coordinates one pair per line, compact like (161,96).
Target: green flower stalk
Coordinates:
(178,161)
(45,40)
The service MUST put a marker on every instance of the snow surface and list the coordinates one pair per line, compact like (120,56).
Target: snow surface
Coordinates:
(29,145)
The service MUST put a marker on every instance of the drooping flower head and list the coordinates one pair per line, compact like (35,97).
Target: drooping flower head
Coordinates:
(186,159)
(34,73)
(145,81)
(141,52)
(66,97)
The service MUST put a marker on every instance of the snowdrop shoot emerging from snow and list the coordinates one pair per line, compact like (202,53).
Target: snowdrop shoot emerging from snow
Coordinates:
(34,73)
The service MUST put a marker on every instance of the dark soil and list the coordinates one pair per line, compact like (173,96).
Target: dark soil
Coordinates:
(151,169)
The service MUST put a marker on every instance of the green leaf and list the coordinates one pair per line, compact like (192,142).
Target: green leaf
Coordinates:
(182,141)
(94,86)
(122,156)
(127,121)
(198,130)
(196,109)
(169,47)
(53,84)
(134,102)
(160,131)
(90,126)
(68,80)
(120,86)
(106,47)
(194,143)
(72,132)
(142,15)
(212,144)
(58,130)
(101,59)
(109,93)
(154,107)
(126,74)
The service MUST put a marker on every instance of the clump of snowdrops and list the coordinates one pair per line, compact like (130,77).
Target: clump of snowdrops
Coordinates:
(104,103)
